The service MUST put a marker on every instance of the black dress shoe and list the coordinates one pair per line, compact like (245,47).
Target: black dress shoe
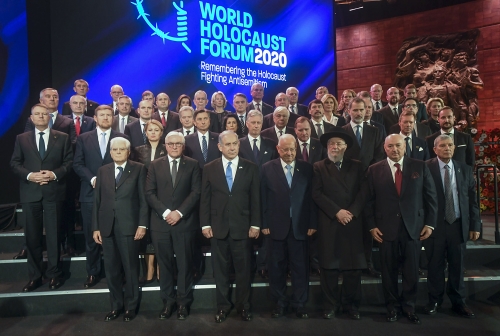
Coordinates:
(220,316)
(392,316)
(413,318)
(144,281)
(32,285)
(166,312)
(55,283)
(91,281)
(301,313)
(182,313)
(463,311)
(370,271)
(129,315)
(264,274)
(246,315)
(112,315)
(23,254)
(353,314)
(328,314)
(431,308)
(278,312)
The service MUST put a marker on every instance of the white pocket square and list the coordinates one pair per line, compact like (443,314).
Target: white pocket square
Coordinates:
(420,149)
(240,167)
(461,145)
(265,152)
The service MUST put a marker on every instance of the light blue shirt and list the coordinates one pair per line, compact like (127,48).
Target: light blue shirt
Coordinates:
(453,184)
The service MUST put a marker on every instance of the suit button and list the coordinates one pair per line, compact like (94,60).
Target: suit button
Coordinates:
(399,215)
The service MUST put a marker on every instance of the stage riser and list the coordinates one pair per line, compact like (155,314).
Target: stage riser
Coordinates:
(205,299)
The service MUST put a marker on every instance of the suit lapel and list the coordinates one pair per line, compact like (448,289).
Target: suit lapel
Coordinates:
(126,173)
(387,176)
(280,173)
(53,138)
(333,171)
(94,141)
(58,121)
(180,170)
(165,171)
(222,176)
(296,175)
(434,168)
(458,178)
(406,174)
(33,141)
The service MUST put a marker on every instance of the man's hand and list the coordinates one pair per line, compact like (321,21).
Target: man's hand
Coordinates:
(253,233)
(473,235)
(97,237)
(266,231)
(49,174)
(377,235)
(310,232)
(344,216)
(140,233)
(426,233)
(40,177)
(173,217)
(208,233)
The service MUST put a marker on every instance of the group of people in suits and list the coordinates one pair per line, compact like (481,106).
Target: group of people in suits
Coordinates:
(314,192)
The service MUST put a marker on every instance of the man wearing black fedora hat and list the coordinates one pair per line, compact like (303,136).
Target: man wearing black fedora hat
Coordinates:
(337,190)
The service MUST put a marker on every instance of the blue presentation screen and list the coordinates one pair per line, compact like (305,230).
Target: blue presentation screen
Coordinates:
(184,46)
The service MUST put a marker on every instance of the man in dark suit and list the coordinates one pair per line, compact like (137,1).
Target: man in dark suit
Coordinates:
(200,101)
(416,148)
(115,93)
(280,101)
(202,145)
(401,213)
(119,220)
(169,120)
(318,125)
(410,91)
(240,108)
(254,147)
(410,105)
(81,88)
(321,91)
(289,216)
(230,215)
(42,159)
(294,106)
(458,220)
(123,118)
(173,193)
(434,105)
(370,116)
(390,111)
(136,130)
(186,118)
(82,122)
(376,97)
(257,93)
(92,152)
(308,149)
(280,121)
(464,146)
(337,190)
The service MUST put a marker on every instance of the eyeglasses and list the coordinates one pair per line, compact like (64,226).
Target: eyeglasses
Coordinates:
(175,144)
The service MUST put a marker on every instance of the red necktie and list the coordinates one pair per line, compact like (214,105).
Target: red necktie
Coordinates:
(398,178)
(305,156)
(163,122)
(77,126)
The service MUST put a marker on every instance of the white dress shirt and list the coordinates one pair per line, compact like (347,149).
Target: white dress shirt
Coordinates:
(54,116)
(277,130)
(160,113)
(295,109)
(452,132)
(392,108)
(375,104)
(170,162)
(74,118)
(191,131)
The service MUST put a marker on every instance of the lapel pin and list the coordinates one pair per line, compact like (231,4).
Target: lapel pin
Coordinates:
(297,169)
(458,170)
(312,147)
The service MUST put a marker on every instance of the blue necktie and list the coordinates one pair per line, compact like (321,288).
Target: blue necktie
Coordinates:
(255,151)
(289,180)
(102,144)
(119,175)
(51,121)
(229,176)
(204,148)
(358,135)
(41,145)
(449,211)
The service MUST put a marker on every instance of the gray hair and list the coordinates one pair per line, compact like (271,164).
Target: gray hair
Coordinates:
(41,92)
(73,97)
(281,109)
(200,92)
(119,139)
(224,134)
(173,133)
(442,137)
(126,97)
(285,137)
(292,87)
(255,113)
(184,108)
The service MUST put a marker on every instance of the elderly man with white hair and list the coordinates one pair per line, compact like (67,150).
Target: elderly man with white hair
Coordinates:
(279,125)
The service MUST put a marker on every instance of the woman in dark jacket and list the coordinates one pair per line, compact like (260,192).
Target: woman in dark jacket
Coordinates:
(219,103)
(230,122)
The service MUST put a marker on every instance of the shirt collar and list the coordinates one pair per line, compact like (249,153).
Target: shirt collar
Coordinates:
(234,162)
(99,131)
(74,116)
(170,159)
(392,106)
(391,163)
(251,138)
(354,125)
(123,165)
(442,164)
(404,136)
(276,129)
(45,131)
(284,164)
(451,132)
(308,142)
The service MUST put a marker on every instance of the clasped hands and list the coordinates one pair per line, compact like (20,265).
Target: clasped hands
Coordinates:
(172,218)
(344,216)
(42,177)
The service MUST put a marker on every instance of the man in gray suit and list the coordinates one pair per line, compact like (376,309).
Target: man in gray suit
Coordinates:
(123,118)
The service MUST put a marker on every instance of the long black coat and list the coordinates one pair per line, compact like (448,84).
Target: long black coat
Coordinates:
(340,246)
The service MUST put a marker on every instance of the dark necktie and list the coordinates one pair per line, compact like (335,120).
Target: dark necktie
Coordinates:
(281,133)
(77,126)
(258,107)
(395,110)
(292,109)
(305,155)
(174,171)
(51,120)
(398,178)
(408,148)
(319,130)
(144,138)
(119,175)
(163,121)
(229,176)
(337,164)
(377,106)
(204,148)
(242,122)
(358,135)
(448,197)
(41,145)
(256,151)
(187,132)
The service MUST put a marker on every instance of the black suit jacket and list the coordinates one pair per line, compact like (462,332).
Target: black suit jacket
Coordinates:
(419,149)
(265,108)
(371,150)
(61,124)
(421,112)
(423,130)
(115,126)
(90,111)
(381,128)
(143,153)
(416,207)
(432,124)
(26,159)
(192,148)
(173,121)
(267,151)
(278,198)
(316,151)
(378,117)
(269,121)
(88,160)
(467,199)
(384,103)
(87,123)
(121,204)
(134,132)
(326,126)
(389,118)
(464,147)
(302,111)
(184,196)
(271,134)
(230,211)
(132,113)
